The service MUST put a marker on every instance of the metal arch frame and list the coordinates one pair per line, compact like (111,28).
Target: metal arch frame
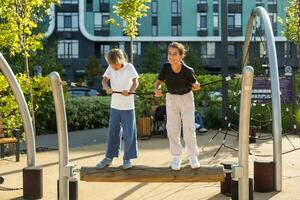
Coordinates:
(26,118)
(275,88)
(62,131)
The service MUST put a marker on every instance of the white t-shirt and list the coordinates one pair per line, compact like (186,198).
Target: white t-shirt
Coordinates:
(121,80)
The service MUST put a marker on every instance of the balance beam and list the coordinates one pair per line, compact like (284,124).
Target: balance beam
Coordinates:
(152,174)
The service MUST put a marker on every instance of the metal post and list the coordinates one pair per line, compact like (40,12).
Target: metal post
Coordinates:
(275,88)
(26,118)
(224,61)
(244,125)
(65,170)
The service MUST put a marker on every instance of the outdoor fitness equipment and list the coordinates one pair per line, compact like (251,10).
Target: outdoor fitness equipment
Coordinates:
(32,175)
(146,174)
(275,88)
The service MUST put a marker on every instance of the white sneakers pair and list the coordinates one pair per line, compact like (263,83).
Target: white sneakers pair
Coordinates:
(176,163)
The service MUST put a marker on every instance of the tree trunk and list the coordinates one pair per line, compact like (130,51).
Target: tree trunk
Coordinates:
(31,107)
(131,50)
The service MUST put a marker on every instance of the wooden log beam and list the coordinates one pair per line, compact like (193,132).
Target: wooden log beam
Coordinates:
(152,174)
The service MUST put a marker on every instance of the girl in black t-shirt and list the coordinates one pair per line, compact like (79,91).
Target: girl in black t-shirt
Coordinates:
(180,81)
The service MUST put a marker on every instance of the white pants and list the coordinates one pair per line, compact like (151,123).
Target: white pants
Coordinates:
(181,110)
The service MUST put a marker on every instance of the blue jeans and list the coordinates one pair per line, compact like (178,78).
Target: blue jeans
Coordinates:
(126,120)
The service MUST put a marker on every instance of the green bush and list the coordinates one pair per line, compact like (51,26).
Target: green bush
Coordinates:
(87,112)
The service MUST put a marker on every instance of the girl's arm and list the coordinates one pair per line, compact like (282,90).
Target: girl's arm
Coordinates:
(135,84)
(105,85)
(157,91)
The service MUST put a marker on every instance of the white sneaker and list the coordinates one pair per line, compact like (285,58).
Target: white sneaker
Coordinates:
(176,163)
(194,162)
(202,130)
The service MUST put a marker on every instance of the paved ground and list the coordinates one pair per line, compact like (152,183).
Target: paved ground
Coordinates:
(87,148)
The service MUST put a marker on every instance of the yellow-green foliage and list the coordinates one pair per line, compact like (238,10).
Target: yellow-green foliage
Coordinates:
(298,118)
(8,106)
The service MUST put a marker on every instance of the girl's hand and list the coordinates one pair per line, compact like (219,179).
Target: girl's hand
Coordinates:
(158,93)
(196,86)
(108,90)
(125,93)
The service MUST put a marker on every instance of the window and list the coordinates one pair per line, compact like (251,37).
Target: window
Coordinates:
(208,50)
(216,21)
(69,1)
(272,2)
(68,49)
(287,50)
(176,30)
(215,1)
(201,21)
(176,7)
(257,21)
(231,50)
(273,19)
(137,48)
(104,49)
(234,1)
(67,21)
(89,5)
(154,7)
(262,49)
(234,20)
(122,45)
(100,21)
(104,1)
(154,30)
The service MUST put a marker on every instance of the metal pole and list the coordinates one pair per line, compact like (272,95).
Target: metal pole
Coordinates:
(62,130)
(26,118)
(224,61)
(244,123)
(275,88)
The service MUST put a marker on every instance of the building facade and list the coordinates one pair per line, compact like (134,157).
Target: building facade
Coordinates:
(79,28)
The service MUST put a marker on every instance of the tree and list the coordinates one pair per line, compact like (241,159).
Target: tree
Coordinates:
(47,59)
(19,31)
(291,25)
(93,70)
(152,58)
(130,11)
(192,60)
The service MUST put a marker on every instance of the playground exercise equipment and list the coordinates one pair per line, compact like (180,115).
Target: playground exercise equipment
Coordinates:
(32,175)
(275,88)
(150,174)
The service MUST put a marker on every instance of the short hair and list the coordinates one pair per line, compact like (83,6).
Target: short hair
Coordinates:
(180,47)
(116,56)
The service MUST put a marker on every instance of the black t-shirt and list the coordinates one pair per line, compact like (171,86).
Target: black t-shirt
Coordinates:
(177,83)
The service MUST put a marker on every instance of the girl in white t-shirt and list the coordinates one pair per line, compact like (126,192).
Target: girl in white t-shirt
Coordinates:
(124,78)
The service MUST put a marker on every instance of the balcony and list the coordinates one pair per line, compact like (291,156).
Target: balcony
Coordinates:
(202,7)
(154,20)
(203,32)
(101,30)
(216,8)
(216,32)
(235,8)
(104,7)
(176,20)
(272,8)
(235,31)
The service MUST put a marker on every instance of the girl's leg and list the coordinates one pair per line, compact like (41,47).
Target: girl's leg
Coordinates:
(188,121)
(173,124)
(113,136)
(129,134)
